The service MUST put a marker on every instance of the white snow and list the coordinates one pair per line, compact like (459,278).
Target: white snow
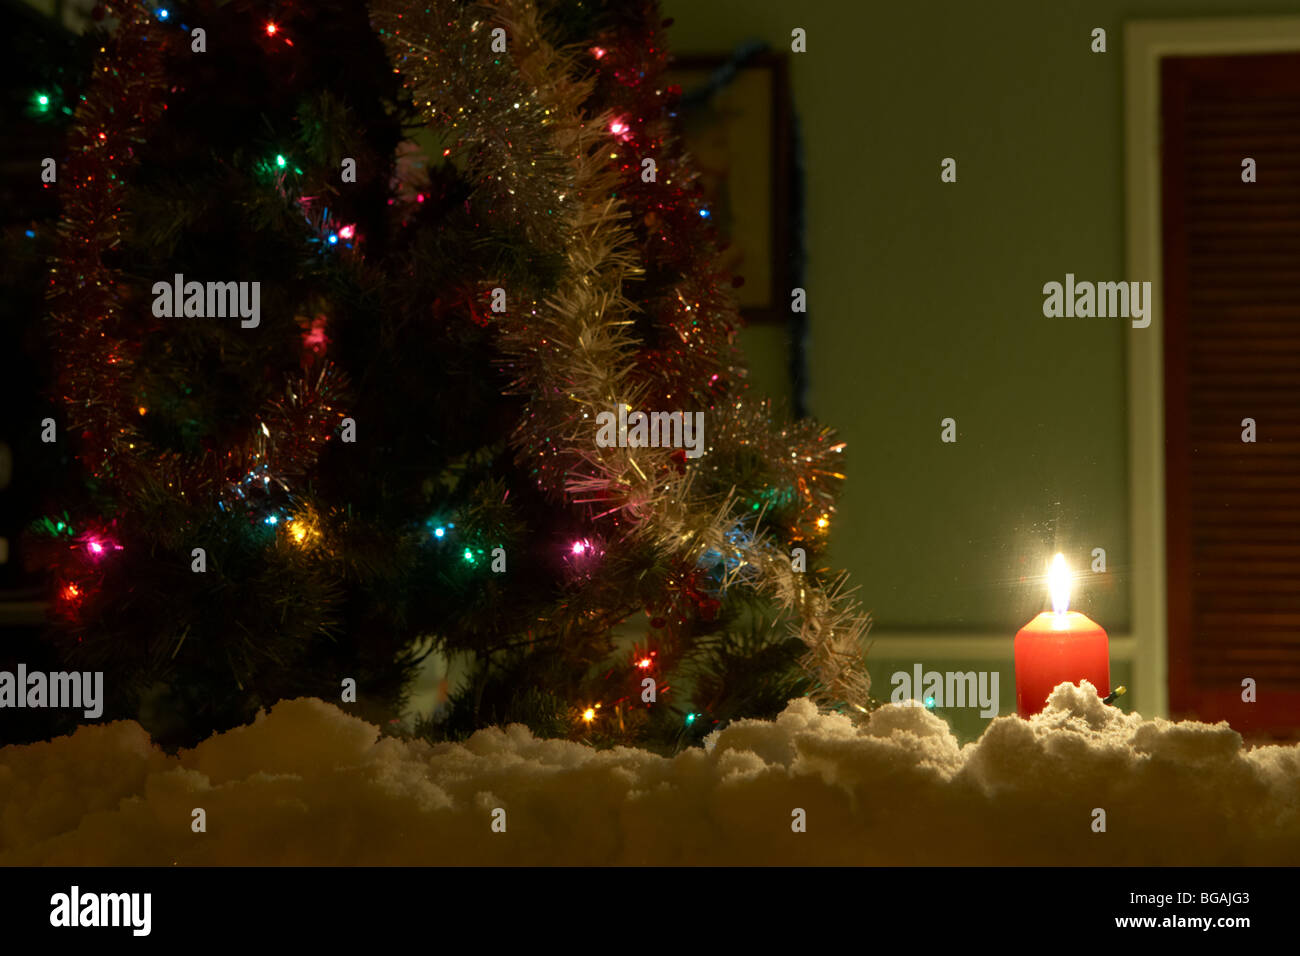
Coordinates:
(308,784)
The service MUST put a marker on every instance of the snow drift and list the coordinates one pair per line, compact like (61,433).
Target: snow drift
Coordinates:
(308,784)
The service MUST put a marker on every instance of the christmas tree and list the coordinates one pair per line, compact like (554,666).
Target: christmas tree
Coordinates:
(394,331)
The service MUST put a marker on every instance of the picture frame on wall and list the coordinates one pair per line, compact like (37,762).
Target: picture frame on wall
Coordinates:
(736,119)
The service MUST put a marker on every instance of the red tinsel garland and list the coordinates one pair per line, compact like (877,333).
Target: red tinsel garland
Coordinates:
(98,345)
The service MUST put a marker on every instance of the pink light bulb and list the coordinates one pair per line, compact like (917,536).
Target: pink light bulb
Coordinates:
(98,546)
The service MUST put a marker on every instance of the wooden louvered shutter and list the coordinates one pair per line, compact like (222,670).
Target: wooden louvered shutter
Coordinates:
(1231,290)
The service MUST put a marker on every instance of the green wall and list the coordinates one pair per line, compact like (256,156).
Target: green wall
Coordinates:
(925,298)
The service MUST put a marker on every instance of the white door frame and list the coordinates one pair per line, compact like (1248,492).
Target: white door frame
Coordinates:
(1146,42)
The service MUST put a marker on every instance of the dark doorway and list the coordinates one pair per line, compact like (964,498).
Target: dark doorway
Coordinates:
(1232,352)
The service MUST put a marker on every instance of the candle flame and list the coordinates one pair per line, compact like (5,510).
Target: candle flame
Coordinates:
(1058,582)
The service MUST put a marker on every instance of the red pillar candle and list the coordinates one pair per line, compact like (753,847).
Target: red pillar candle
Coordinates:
(1059,646)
